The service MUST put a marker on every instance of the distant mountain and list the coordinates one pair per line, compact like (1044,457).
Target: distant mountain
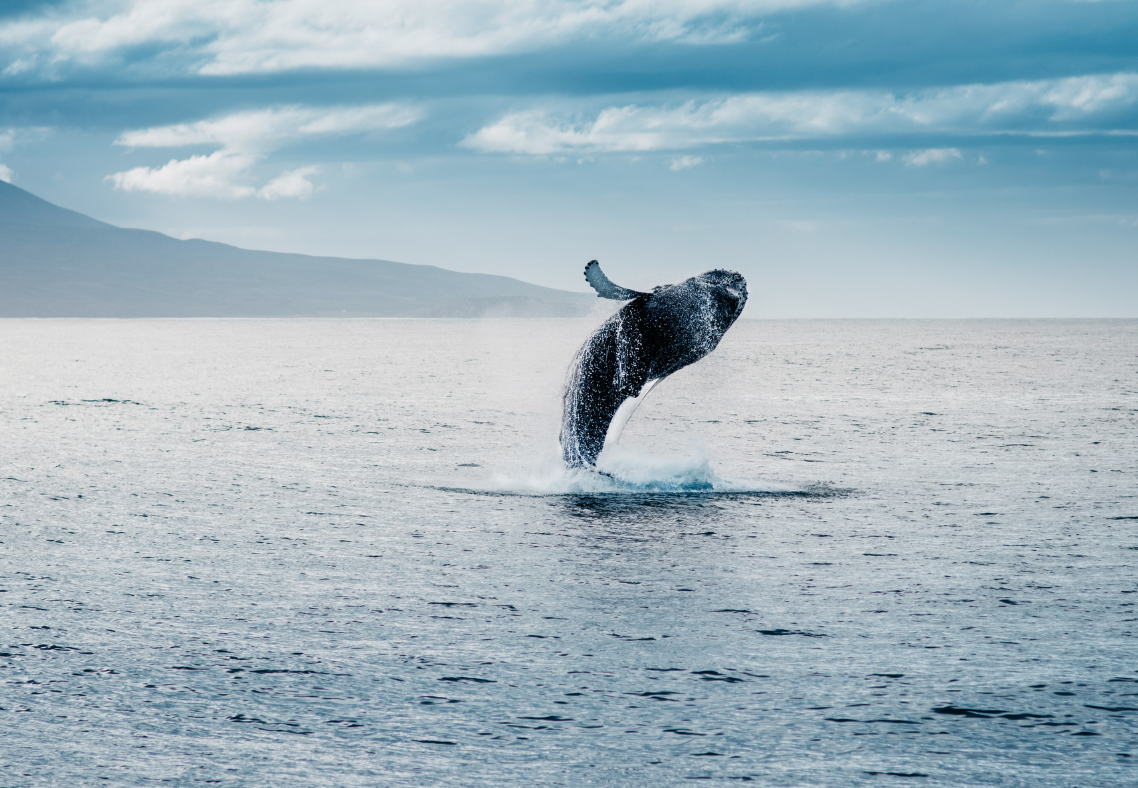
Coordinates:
(59,263)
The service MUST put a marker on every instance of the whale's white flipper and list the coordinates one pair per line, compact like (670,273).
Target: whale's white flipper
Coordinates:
(604,287)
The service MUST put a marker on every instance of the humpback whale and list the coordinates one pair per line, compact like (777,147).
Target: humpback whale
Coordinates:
(652,336)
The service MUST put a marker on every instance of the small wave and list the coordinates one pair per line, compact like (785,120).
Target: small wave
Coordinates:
(625,471)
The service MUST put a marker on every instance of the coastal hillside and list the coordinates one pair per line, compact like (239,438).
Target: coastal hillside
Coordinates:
(59,263)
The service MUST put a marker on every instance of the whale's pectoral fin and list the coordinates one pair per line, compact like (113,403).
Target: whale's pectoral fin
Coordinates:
(604,287)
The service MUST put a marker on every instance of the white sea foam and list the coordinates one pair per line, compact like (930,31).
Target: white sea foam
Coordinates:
(623,470)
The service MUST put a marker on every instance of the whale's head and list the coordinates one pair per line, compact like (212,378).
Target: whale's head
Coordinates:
(685,321)
(725,295)
(708,304)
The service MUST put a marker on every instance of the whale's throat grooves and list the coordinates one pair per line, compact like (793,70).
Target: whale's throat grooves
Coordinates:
(625,412)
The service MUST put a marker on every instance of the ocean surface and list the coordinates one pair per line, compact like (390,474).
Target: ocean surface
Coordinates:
(343,553)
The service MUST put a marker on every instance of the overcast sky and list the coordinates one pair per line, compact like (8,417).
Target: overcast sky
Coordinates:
(875,158)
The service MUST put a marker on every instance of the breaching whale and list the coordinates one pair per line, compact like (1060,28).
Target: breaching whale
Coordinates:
(651,337)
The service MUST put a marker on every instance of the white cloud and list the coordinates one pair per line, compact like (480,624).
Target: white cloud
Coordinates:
(294,183)
(215,175)
(685,162)
(23,135)
(629,128)
(17,66)
(1063,106)
(244,139)
(269,128)
(250,36)
(11,137)
(923,158)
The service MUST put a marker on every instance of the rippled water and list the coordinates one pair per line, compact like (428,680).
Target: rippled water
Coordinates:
(299,553)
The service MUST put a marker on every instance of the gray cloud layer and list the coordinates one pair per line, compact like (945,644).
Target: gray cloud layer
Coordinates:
(226,37)
(1100,103)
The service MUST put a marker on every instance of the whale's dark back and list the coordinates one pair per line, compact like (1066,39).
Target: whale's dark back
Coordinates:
(651,337)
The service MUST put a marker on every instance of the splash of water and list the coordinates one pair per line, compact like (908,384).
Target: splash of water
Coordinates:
(623,470)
